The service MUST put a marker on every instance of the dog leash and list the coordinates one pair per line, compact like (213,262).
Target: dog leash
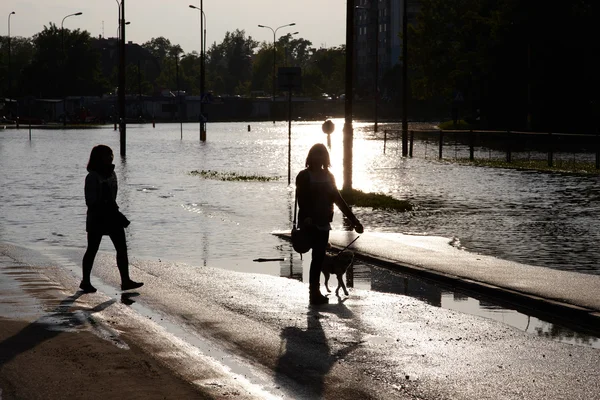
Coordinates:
(346,248)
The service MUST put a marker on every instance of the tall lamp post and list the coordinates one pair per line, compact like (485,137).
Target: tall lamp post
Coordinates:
(122,114)
(348,128)
(202,67)
(405,78)
(274,60)
(9,76)
(62,33)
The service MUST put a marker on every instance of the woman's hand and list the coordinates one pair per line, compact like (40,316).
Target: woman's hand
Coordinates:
(358,227)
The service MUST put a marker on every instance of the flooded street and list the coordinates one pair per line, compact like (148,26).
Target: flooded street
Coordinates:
(194,237)
(533,218)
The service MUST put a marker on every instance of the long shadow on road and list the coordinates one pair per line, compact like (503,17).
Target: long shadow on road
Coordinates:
(63,318)
(305,355)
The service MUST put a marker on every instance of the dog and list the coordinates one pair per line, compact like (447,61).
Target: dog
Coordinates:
(337,264)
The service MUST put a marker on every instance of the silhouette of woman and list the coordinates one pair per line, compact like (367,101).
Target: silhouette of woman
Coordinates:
(104,217)
(317,192)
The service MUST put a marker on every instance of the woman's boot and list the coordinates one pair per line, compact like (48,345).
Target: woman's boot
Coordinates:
(316,298)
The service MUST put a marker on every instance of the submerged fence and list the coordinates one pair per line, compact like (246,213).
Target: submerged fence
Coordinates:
(509,146)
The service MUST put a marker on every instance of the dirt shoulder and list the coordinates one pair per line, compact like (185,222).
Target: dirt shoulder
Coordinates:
(39,363)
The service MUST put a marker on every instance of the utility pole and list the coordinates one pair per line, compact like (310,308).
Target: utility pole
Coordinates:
(9,91)
(376,4)
(122,108)
(348,128)
(404,78)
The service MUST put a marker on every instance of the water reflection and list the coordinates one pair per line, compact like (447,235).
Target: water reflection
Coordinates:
(531,218)
(368,277)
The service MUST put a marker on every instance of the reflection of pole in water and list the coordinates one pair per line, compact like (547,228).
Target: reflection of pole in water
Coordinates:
(350,276)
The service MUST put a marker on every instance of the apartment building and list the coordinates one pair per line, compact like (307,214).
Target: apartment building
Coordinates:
(378,41)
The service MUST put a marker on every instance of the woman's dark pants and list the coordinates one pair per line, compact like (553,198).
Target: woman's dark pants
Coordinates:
(117,236)
(320,240)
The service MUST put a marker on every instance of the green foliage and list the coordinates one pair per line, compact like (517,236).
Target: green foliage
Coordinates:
(460,125)
(21,53)
(68,57)
(232,176)
(326,72)
(238,65)
(524,64)
(230,63)
(375,200)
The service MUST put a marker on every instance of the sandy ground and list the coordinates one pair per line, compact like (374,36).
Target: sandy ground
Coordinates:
(38,363)
(58,343)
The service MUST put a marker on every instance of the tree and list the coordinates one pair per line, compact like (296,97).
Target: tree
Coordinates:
(325,72)
(63,64)
(161,48)
(21,54)
(523,64)
(229,63)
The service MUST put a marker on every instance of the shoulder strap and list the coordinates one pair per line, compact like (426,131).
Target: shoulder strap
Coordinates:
(295,207)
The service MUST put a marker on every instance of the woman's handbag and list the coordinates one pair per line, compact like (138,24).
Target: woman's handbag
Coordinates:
(123,221)
(300,237)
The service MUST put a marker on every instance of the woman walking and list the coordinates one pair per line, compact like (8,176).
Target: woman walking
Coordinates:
(104,217)
(317,192)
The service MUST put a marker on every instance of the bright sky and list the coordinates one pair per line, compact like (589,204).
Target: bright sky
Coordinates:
(320,21)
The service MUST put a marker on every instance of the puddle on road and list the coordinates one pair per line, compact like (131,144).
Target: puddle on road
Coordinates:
(382,280)
(369,277)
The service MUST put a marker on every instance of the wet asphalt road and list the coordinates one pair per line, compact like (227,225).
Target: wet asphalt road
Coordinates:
(254,336)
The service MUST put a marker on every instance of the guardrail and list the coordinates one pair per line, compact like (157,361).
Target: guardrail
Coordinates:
(509,143)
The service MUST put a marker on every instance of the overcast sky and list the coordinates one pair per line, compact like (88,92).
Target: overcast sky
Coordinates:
(320,21)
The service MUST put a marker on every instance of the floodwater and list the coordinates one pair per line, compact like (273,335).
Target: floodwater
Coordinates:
(541,219)
(533,218)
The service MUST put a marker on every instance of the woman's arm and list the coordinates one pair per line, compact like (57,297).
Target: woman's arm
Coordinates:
(92,190)
(344,208)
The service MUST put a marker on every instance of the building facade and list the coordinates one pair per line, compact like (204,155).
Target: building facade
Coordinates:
(378,41)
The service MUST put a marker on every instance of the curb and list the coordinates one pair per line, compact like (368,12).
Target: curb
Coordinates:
(578,318)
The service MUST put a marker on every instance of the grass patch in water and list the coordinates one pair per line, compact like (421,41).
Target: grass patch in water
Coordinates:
(232,176)
(375,200)
(537,165)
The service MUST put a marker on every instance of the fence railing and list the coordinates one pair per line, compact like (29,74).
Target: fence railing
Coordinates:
(506,144)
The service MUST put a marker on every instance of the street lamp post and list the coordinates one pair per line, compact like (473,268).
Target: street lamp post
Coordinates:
(9,76)
(405,78)
(202,67)
(122,114)
(348,128)
(62,33)
(274,61)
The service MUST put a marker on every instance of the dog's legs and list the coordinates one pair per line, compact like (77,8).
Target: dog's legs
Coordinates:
(327,281)
(341,284)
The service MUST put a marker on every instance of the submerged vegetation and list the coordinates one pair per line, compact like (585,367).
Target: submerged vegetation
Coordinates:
(232,176)
(353,197)
(450,125)
(375,200)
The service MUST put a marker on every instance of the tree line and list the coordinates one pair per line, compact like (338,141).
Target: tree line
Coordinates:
(56,63)
(523,64)
(505,64)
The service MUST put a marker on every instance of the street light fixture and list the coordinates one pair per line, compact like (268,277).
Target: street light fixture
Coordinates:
(274,59)
(9,76)
(202,67)
(62,33)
